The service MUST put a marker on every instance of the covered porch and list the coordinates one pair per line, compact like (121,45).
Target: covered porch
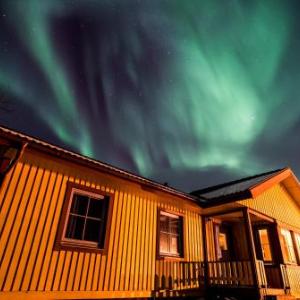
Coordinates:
(243,252)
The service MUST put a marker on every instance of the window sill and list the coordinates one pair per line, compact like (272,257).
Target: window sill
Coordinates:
(78,246)
(269,262)
(293,264)
(170,257)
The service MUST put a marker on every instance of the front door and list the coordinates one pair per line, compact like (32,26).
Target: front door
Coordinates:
(264,252)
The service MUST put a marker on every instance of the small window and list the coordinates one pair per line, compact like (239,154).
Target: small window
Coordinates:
(287,246)
(265,244)
(170,235)
(85,217)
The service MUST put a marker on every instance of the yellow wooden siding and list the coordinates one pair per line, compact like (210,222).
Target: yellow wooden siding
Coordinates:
(31,200)
(277,203)
(293,273)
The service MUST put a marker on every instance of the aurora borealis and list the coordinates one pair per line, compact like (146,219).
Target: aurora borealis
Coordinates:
(189,92)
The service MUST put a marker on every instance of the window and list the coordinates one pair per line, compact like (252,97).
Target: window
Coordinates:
(265,244)
(170,235)
(84,218)
(287,246)
(297,243)
(223,241)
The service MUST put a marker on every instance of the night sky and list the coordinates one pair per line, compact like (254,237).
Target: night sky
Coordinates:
(192,93)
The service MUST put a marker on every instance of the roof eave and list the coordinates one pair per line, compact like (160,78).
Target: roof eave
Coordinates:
(86,161)
(259,188)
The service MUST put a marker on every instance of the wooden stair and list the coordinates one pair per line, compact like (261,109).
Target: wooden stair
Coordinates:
(278,294)
(279,297)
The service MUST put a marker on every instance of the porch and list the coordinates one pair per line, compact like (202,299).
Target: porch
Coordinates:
(244,257)
(244,252)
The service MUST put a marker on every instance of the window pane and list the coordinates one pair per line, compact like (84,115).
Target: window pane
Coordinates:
(96,208)
(79,204)
(174,226)
(265,244)
(75,227)
(164,224)
(92,230)
(174,245)
(163,243)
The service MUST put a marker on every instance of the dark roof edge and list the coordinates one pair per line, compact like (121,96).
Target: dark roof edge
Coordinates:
(227,199)
(87,161)
(218,186)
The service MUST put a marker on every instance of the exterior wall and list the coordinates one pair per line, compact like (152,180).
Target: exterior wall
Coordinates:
(277,203)
(31,200)
(294,278)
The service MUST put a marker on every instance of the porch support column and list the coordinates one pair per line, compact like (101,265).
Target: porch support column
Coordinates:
(206,273)
(250,240)
(277,249)
(277,245)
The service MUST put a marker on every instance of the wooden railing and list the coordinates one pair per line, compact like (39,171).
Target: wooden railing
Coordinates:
(231,273)
(274,276)
(285,277)
(178,275)
(261,273)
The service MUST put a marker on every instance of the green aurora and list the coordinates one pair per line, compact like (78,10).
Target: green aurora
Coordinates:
(158,87)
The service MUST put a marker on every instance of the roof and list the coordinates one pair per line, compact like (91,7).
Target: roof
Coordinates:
(57,151)
(234,190)
(223,193)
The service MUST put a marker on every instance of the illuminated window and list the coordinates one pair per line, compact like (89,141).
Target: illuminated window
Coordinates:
(170,234)
(287,246)
(223,241)
(265,244)
(84,218)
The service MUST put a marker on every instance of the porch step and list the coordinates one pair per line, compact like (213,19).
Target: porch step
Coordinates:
(279,297)
(275,292)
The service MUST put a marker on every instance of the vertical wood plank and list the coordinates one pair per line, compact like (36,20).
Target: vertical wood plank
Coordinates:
(120,251)
(70,279)
(96,273)
(125,258)
(91,272)
(8,197)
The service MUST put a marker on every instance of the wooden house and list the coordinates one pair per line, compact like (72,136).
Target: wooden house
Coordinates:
(75,228)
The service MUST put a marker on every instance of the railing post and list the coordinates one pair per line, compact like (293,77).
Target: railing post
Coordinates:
(205,264)
(250,240)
